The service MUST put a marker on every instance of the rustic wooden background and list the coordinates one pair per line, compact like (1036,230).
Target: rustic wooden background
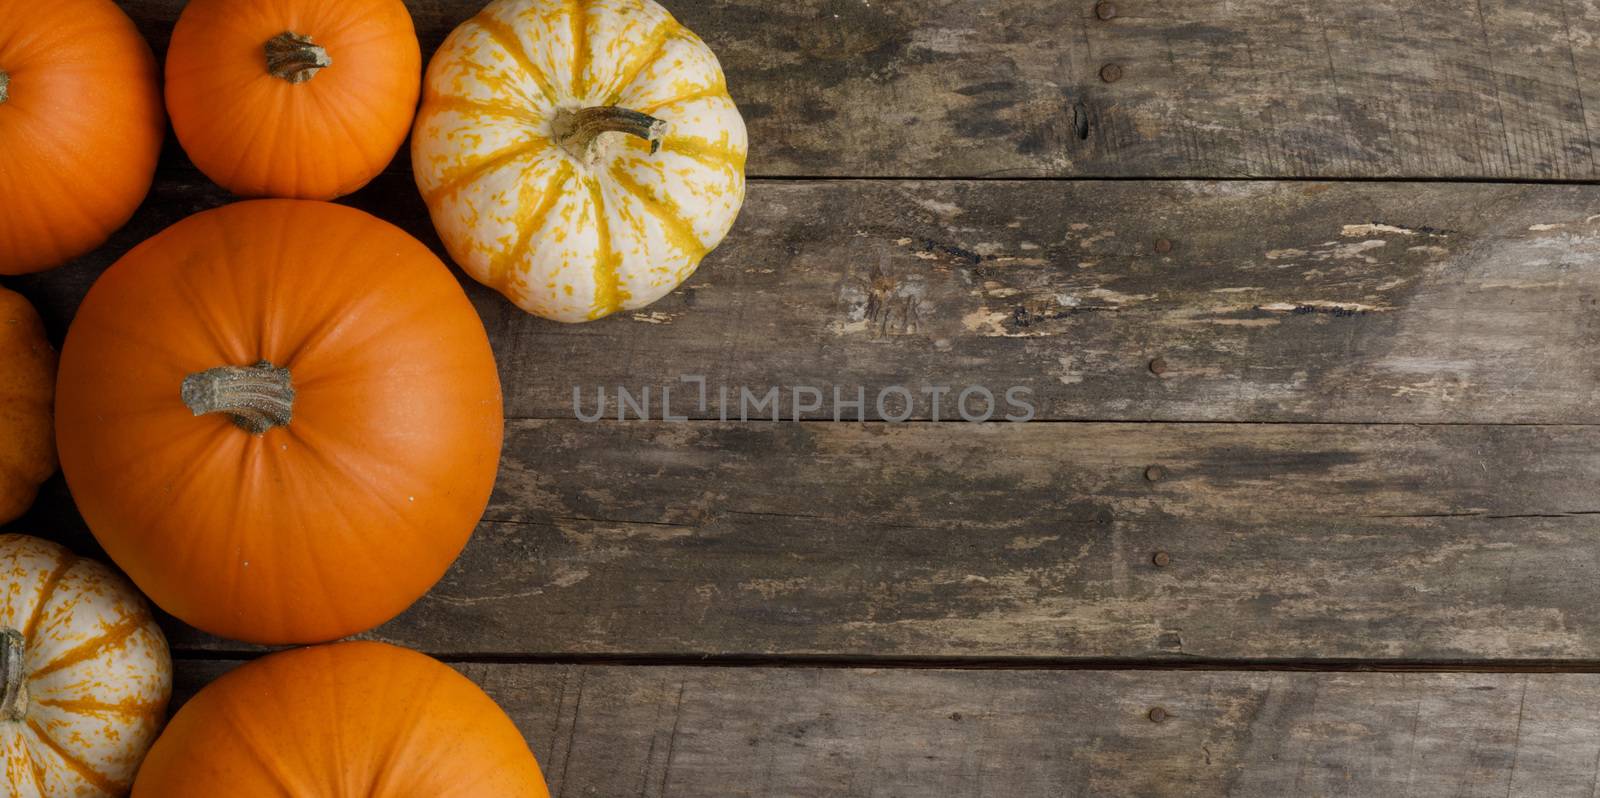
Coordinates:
(1307,296)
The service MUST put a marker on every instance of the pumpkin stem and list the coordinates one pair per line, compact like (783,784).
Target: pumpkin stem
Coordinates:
(294,58)
(5,85)
(576,130)
(258,397)
(14,690)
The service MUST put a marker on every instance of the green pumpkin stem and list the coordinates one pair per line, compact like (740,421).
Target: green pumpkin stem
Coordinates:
(5,86)
(576,130)
(14,689)
(294,58)
(257,397)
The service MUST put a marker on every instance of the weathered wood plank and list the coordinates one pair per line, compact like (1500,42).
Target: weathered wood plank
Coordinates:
(1209,88)
(677,731)
(1276,302)
(1437,543)
(1280,302)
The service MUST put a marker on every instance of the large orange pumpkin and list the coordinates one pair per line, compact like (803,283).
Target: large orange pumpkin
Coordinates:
(281,418)
(27,391)
(293,98)
(350,719)
(80,128)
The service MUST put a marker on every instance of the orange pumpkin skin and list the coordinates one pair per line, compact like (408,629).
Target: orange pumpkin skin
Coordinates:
(319,527)
(80,128)
(27,390)
(256,132)
(349,720)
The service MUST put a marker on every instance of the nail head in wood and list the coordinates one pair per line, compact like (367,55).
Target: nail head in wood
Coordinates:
(1155,473)
(1105,10)
(1156,715)
(1161,559)
(1158,366)
(1111,73)
(1163,246)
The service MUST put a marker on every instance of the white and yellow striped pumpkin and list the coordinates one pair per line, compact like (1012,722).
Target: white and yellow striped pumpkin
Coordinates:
(579,156)
(84,674)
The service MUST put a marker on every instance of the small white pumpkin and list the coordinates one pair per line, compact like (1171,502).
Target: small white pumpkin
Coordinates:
(579,156)
(84,674)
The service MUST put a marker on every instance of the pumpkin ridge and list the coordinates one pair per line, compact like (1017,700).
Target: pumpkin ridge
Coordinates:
(578,16)
(704,152)
(46,591)
(713,90)
(397,749)
(101,781)
(350,23)
(83,652)
(333,466)
(319,337)
(87,706)
(328,325)
(195,298)
(328,109)
(238,720)
(35,766)
(268,131)
(656,42)
(471,173)
(508,41)
(679,231)
(607,282)
(466,106)
(61,148)
(500,271)
(318,569)
(191,464)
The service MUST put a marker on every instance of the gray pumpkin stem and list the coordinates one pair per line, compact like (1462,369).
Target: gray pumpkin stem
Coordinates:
(294,58)
(576,130)
(13,676)
(257,397)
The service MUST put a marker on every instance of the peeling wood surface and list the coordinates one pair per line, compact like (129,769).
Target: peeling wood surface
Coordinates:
(1209,88)
(1346,302)
(673,731)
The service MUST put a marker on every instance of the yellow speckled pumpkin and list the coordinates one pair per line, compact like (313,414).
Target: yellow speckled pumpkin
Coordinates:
(84,674)
(579,156)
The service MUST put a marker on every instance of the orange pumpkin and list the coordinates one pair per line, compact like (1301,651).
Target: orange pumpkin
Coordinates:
(281,418)
(80,128)
(27,387)
(348,719)
(293,98)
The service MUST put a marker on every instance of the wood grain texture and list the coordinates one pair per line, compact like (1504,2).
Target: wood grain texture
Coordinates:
(1018,542)
(1348,302)
(671,731)
(1442,337)
(1210,88)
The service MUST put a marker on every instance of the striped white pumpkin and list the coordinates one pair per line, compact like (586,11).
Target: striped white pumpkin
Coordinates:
(84,674)
(541,183)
